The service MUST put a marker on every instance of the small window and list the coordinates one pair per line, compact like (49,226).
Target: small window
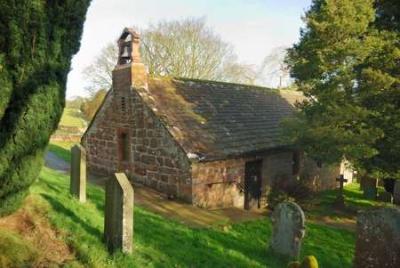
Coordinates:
(123,144)
(296,163)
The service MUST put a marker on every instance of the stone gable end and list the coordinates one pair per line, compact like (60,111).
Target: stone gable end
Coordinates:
(153,157)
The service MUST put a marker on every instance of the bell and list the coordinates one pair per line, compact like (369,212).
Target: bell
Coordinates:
(125,52)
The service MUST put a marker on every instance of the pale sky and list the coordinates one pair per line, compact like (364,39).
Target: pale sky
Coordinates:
(253,27)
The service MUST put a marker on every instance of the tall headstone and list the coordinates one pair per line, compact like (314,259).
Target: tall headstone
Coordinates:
(118,216)
(78,173)
(370,187)
(396,193)
(378,238)
(288,229)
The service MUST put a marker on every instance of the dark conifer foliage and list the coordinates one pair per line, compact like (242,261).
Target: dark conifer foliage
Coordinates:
(37,41)
(347,63)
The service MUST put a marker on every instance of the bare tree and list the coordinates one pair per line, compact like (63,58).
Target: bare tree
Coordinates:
(179,48)
(99,73)
(274,71)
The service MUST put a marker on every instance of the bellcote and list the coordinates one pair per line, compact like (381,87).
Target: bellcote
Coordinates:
(129,58)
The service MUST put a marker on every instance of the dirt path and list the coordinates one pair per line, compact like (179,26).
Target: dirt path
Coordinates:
(183,212)
(173,209)
(54,162)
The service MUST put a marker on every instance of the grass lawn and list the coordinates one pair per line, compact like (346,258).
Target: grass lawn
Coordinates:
(321,206)
(160,242)
(72,118)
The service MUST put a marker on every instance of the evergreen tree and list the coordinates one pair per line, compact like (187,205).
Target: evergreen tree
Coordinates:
(37,41)
(346,63)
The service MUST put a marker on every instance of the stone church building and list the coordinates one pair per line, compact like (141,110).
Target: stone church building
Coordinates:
(212,144)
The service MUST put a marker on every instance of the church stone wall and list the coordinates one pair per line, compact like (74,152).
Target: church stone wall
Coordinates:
(217,184)
(153,159)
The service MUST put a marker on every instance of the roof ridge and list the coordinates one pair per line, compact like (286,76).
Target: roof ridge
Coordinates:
(256,87)
(222,82)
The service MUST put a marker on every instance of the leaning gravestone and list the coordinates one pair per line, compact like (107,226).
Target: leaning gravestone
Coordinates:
(396,193)
(370,188)
(378,239)
(118,217)
(288,229)
(78,173)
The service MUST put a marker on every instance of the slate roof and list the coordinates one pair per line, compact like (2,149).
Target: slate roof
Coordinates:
(215,120)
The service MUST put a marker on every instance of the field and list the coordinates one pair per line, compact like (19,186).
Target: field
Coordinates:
(71,117)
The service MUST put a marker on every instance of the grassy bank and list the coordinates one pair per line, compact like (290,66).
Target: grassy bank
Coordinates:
(158,242)
(161,242)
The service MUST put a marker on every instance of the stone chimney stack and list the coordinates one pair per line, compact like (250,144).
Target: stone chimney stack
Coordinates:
(129,68)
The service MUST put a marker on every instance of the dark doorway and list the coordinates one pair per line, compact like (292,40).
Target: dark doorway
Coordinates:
(252,184)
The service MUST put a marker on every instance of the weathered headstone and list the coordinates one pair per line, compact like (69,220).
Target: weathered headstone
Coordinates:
(288,229)
(370,188)
(396,193)
(378,239)
(339,202)
(118,216)
(385,197)
(78,172)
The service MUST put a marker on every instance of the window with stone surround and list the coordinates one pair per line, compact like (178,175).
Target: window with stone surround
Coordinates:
(123,145)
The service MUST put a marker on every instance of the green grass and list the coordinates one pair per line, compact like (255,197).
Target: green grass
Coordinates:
(160,242)
(322,204)
(72,118)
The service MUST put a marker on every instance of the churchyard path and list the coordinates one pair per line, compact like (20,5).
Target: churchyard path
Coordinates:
(159,203)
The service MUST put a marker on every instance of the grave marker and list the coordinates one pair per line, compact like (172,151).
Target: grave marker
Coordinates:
(340,196)
(369,188)
(118,216)
(378,238)
(288,229)
(78,172)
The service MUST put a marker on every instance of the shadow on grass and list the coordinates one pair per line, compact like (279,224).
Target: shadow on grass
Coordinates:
(243,245)
(323,204)
(161,242)
(60,208)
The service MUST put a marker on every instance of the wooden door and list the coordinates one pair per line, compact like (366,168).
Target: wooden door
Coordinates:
(252,184)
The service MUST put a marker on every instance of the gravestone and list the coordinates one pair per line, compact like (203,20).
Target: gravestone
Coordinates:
(78,173)
(339,202)
(396,193)
(385,197)
(369,188)
(288,229)
(378,238)
(118,216)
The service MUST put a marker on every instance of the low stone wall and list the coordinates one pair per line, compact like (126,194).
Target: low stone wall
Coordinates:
(66,138)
